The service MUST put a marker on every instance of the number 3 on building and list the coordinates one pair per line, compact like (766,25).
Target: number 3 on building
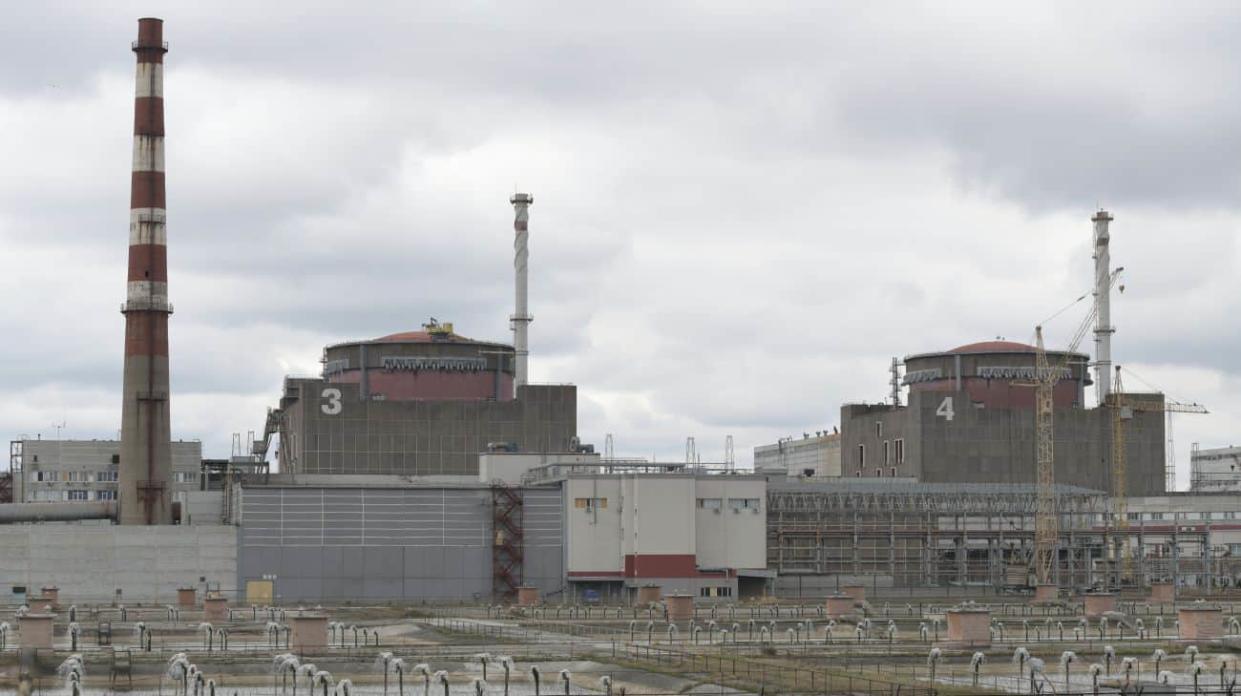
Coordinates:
(332,405)
(944,410)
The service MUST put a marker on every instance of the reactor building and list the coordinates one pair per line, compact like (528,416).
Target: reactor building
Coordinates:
(418,403)
(424,403)
(970,413)
(969,418)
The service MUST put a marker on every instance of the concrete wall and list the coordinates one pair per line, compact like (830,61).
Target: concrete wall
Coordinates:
(329,429)
(90,562)
(664,525)
(991,445)
(595,539)
(819,454)
(390,543)
(736,536)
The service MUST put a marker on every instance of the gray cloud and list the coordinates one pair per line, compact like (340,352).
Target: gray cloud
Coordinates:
(741,214)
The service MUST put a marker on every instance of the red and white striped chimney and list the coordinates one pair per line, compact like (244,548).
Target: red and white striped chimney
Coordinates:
(146,438)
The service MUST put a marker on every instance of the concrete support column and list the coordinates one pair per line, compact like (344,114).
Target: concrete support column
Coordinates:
(215,608)
(1200,622)
(1099,603)
(1162,593)
(680,607)
(968,627)
(649,594)
(35,631)
(527,596)
(309,632)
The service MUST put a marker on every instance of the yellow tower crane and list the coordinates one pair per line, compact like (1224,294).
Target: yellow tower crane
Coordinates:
(1046,517)
(1123,409)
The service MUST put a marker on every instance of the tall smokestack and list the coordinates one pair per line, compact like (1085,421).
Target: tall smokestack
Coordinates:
(146,440)
(521,318)
(1103,296)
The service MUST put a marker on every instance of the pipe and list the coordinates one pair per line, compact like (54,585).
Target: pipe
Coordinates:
(1103,297)
(13,513)
(521,317)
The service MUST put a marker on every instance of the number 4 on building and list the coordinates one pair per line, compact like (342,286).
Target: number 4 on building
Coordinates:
(945,408)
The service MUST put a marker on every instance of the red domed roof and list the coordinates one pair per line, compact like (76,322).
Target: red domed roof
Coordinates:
(421,337)
(994,347)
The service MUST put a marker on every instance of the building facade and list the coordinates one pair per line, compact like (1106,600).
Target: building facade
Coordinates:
(683,530)
(87,470)
(419,403)
(389,539)
(1215,469)
(969,418)
(811,456)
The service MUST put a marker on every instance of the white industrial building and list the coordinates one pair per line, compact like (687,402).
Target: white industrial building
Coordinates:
(86,470)
(810,456)
(697,530)
(1216,469)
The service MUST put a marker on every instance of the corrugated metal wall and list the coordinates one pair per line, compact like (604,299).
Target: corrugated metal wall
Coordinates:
(335,544)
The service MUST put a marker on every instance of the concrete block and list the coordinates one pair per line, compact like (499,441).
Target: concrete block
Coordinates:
(1163,593)
(1099,603)
(680,607)
(968,627)
(1200,622)
(35,631)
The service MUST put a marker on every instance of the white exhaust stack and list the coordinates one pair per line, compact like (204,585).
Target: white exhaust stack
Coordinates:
(1103,296)
(521,318)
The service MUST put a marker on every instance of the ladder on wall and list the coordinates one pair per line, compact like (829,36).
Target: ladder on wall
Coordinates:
(508,542)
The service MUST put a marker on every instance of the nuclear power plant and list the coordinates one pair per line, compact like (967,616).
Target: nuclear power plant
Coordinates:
(422,487)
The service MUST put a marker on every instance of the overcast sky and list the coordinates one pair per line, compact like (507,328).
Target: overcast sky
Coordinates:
(743,210)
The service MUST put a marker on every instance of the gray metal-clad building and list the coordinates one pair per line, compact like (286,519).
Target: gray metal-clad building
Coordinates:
(391,541)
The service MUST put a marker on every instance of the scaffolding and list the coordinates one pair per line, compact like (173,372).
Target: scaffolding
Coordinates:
(936,535)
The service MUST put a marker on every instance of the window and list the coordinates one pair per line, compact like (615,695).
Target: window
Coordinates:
(709,503)
(1134,516)
(861,456)
(892,472)
(1234,549)
(78,495)
(899,445)
(858,473)
(590,503)
(1156,515)
(743,503)
(878,429)
(106,476)
(704,591)
(73,476)
(886,459)
(38,475)
(878,473)
(1230,515)
(723,592)
(105,495)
